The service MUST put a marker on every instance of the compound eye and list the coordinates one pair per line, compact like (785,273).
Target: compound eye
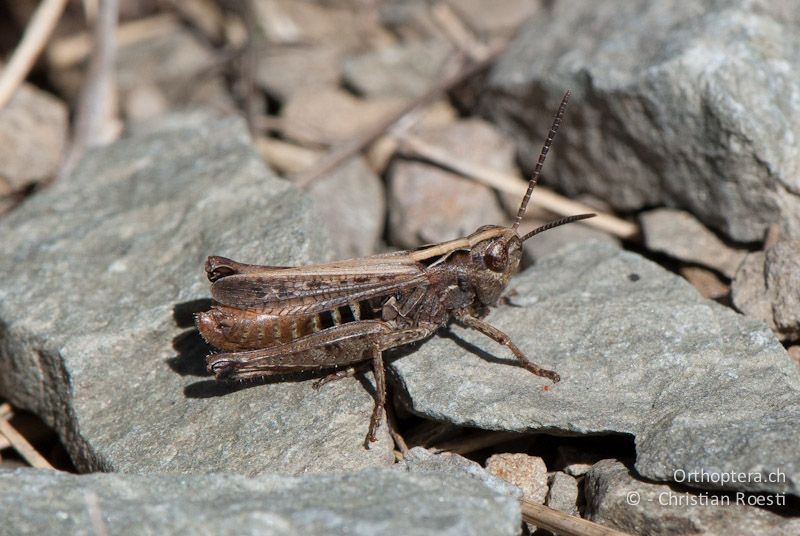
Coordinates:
(496,257)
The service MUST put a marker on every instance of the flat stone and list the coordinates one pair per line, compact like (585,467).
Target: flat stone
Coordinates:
(167,58)
(428,204)
(409,20)
(378,501)
(502,18)
(299,23)
(419,459)
(318,116)
(616,497)
(404,70)
(285,70)
(33,132)
(351,203)
(766,287)
(639,352)
(794,353)
(680,104)
(563,493)
(783,280)
(528,473)
(707,283)
(680,235)
(102,272)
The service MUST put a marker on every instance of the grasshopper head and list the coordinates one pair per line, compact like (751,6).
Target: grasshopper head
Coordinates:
(495,257)
(497,250)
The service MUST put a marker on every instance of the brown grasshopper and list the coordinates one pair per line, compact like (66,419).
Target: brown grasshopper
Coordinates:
(333,317)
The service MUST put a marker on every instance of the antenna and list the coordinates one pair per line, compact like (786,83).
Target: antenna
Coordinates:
(556,223)
(538,169)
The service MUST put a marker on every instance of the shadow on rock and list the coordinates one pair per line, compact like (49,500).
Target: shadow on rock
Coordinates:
(479,351)
(190,347)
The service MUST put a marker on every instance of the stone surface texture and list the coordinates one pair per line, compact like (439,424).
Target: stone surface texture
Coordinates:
(165,56)
(611,488)
(102,272)
(419,459)
(33,132)
(563,493)
(767,287)
(403,70)
(689,104)
(351,203)
(363,503)
(528,473)
(428,204)
(325,116)
(285,70)
(639,352)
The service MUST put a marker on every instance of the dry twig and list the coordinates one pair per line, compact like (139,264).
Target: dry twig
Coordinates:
(472,443)
(33,40)
(505,182)
(285,157)
(457,33)
(563,524)
(20,444)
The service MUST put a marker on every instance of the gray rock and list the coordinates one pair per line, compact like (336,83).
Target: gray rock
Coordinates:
(766,287)
(33,131)
(563,493)
(102,271)
(351,203)
(678,234)
(428,204)
(421,460)
(164,55)
(688,104)
(616,497)
(363,503)
(639,352)
(328,116)
(404,70)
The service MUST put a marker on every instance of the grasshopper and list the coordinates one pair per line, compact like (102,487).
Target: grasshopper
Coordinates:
(339,317)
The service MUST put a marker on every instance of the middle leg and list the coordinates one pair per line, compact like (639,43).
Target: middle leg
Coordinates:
(494,333)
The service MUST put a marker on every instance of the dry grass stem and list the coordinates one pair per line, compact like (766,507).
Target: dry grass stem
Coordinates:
(457,33)
(472,443)
(391,420)
(33,41)
(284,157)
(504,182)
(563,524)
(431,432)
(21,445)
